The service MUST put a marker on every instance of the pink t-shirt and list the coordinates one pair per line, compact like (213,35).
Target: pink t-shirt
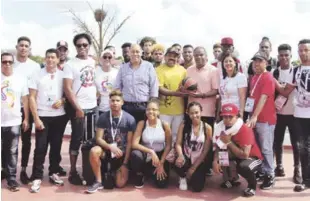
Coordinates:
(207,79)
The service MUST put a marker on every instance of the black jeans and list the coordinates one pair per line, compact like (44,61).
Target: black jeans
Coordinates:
(302,127)
(9,145)
(139,165)
(137,110)
(209,158)
(284,121)
(51,135)
(198,179)
(26,140)
(83,129)
(247,169)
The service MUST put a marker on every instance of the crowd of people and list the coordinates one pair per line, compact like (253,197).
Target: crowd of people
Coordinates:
(138,117)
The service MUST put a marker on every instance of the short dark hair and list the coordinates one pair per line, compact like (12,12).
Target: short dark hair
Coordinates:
(116,92)
(108,47)
(147,39)
(266,39)
(176,44)
(81,35)
(284,47)
(304,41)
(52,50)
(188,46)
(7,54)
(236,67)
(24,38)
(125,45)
(217,45)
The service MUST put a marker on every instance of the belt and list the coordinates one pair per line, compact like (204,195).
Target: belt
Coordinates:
(135,103)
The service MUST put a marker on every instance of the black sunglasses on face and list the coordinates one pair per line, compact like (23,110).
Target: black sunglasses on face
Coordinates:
(106,57)
(80,45)
(7,62)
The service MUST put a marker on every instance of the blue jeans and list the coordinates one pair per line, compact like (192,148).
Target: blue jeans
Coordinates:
(9,141)
(264,134)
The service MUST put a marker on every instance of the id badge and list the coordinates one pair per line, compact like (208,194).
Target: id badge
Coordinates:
(279,102)
(112,154)
(223,158)
(249,104)
(51,99)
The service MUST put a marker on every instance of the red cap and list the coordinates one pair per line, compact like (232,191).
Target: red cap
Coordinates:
(229,110)
(227,41)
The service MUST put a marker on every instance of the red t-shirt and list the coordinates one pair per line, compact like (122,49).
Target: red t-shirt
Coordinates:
(265,85)
(245,137)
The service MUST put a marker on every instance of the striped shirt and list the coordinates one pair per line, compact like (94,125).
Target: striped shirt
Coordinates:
(137,85)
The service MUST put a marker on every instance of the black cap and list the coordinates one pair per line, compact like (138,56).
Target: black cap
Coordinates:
(260,55)
(172,50)
(62,44)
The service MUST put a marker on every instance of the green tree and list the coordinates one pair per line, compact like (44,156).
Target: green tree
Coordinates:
(37,58)
(107,27)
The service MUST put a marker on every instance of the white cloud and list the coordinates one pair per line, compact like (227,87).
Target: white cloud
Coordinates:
(198,22)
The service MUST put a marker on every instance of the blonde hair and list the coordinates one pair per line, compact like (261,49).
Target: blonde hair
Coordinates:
(158,47)
(116,92)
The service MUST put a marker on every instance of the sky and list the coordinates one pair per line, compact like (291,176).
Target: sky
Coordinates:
(196,22)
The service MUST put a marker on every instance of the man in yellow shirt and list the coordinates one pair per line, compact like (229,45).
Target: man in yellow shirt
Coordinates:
(170,75)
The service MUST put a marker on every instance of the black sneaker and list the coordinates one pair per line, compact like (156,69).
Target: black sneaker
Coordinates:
(61,172)
(249,192)
(95,187)
(300,187)
(209,172)
(279,171)
(297,176)
(139,183)
(268,182)
(24,178)
(75,179)
(13,185)
(229,184)
(259,176)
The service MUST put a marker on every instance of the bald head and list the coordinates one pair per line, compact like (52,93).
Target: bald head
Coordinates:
(200,56)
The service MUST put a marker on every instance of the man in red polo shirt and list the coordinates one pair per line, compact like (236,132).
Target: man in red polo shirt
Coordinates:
(260,105)
(240,145)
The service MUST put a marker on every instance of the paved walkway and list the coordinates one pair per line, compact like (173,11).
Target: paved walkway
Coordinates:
(283,189)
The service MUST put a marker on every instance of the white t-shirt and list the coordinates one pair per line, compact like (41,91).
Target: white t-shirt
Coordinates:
(49,90)
(105,82)
(302,97)
(27,68)
(229,89)
(82,73)
(286,76)
(13,88)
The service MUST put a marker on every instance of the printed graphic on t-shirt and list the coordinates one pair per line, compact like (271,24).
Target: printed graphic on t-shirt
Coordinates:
(303,82)
(167,99)
(87,76)
(106,85)
(7,95)
(191,145)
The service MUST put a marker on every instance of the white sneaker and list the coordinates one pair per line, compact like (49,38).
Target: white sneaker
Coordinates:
(183,184)
(35,188)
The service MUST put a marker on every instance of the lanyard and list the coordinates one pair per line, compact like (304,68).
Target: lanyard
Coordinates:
(252,92)
(113,131)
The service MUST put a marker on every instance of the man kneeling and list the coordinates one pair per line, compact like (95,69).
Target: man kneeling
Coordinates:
(241,145)
(113,144)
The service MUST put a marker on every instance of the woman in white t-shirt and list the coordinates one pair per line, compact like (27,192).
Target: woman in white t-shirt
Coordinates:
(151,143)
(105,79)
(233,84)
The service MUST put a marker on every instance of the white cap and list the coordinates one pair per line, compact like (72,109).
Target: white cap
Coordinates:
(107,51)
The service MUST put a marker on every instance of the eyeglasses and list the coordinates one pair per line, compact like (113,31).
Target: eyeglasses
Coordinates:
(82,45)
(7,62)
(106,57)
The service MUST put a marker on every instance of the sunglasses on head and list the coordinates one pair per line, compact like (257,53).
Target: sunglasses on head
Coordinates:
(107,57)
(82,45)
(7,62)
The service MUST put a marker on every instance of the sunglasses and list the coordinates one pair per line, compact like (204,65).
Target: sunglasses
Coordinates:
(106,57)
(82,45)
(7,62)
(227,117)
